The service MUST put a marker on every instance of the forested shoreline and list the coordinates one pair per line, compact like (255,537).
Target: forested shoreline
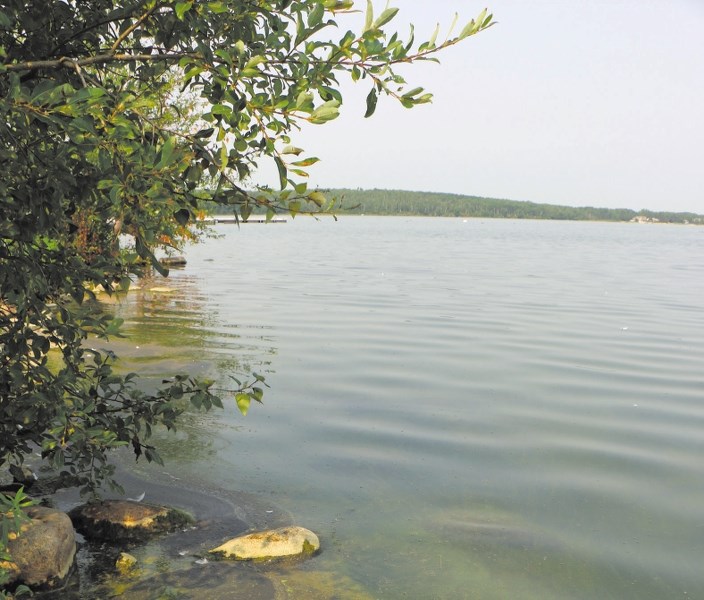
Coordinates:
(399,202)
(436,204)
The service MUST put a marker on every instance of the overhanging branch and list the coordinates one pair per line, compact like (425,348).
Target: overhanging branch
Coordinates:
(67,63)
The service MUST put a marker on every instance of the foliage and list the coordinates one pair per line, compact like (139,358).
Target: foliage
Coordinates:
(12,518)
(117,118)
(97,142)
(400,202)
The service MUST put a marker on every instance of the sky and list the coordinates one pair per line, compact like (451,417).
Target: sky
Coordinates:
(574,102)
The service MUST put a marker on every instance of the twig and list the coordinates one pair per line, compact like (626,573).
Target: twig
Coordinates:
(75,66)
(131,28)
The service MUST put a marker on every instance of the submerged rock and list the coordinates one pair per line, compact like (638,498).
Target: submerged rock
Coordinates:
(274,543)
(126,520)
(43,552)
(316,585)
(214,581)
(220,581)
(125,563)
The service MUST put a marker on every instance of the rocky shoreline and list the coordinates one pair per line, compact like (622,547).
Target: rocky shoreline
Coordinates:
(116,540)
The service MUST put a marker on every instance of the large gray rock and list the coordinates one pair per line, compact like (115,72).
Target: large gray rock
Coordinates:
(274,543)
(125,520)
(44,551)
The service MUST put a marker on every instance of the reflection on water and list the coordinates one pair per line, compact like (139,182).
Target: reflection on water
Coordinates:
(481,409)
(169,329)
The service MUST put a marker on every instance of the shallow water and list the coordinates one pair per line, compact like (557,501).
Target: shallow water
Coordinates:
(461,409)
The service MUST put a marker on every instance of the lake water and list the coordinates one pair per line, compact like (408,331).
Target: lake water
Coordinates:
(482,409)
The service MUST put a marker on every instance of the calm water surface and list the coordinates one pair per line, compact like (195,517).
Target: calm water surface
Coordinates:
(461,409)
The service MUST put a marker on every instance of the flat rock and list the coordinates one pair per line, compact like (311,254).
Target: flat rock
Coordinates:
(44,551)
(125,520)
(273,543)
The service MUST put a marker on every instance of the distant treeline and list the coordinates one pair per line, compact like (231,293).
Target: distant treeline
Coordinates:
(434,204)
(398,202)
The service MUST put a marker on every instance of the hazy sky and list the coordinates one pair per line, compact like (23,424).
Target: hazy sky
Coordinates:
(577,102)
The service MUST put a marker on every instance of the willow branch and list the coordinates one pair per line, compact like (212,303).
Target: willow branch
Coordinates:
(131,28)
(34,65)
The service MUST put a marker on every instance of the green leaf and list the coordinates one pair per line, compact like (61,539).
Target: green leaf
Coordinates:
(316,15)
(413,92)
(255,61)
(411,39)
(125,283)
(339,5)
(325,112)
(4,20)
(182,8)
(317,198)
(371,103)
(78,295)
(281,167)
(114,326)
(243,401)
(292,150)
(385,17)
(452,25)
(144,251)
(482,21)
(182,216)
(152,455)
(304,101)
(167,151)
(369,17)
(307,162)
(480,18)
(191,73)
(217,7)
(431,41)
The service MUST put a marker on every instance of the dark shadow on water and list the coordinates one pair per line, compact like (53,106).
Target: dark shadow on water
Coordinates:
(213,580)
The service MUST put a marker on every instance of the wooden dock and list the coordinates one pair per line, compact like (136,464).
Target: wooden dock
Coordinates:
(228,220)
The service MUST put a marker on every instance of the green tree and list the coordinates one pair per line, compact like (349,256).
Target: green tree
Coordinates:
(95,143)
(119,118)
